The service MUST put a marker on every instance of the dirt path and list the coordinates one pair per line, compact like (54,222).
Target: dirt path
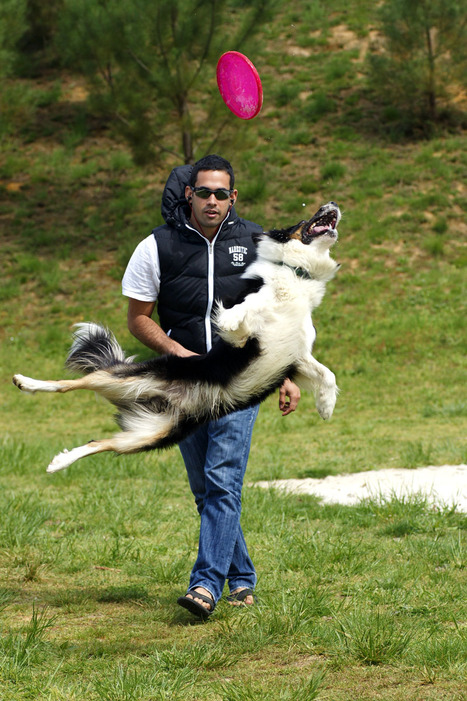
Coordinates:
(444,486)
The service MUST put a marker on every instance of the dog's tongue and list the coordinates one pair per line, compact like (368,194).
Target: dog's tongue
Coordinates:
(320,229)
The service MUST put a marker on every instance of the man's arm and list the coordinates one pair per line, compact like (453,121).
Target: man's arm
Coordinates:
(146,330)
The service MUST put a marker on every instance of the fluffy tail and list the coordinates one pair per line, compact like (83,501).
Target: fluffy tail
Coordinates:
(94,348)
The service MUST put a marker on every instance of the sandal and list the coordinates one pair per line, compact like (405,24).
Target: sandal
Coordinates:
(240,596)
(194,607)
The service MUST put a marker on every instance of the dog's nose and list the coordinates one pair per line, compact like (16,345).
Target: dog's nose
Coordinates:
(334,203)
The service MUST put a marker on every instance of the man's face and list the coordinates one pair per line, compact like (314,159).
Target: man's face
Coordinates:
(211,212)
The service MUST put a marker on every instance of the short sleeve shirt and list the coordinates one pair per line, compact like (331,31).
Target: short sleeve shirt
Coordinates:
(141,280)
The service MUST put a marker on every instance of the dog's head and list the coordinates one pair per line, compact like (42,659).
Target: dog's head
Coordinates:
(304,244)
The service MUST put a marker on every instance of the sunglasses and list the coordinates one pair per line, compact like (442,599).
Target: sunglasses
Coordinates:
(205,193)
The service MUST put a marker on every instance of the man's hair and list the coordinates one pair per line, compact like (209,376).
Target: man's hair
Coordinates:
(212,162)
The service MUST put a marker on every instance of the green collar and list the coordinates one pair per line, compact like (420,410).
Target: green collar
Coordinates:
(300,272)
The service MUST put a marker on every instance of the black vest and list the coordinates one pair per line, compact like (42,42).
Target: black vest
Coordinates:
(196,273)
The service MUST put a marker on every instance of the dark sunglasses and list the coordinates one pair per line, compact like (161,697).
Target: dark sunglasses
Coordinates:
(205,193)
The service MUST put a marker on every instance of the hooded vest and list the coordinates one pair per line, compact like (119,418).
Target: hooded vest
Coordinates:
(194,272)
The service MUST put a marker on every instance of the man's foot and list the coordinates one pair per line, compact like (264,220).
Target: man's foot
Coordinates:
(198,601)
(241,597)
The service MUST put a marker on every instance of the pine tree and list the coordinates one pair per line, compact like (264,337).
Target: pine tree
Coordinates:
(151,64)
(422,55)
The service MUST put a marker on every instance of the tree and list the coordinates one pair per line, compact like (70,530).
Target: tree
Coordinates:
(150,63)
(26,31)
(423,54)
(13,25)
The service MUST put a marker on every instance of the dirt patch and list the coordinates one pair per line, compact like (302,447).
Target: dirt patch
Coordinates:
(443,486)
(343,38)
(74,90)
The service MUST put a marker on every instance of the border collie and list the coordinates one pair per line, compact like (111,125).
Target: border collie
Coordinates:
(266,335)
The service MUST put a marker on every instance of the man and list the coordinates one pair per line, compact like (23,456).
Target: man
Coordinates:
(185,265)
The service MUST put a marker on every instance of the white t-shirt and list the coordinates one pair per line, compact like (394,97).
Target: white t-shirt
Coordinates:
(142,276)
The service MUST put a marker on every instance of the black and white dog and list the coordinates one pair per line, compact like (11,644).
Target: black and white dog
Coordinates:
(266,336)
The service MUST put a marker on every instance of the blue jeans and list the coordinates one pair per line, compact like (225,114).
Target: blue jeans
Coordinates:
(215,458)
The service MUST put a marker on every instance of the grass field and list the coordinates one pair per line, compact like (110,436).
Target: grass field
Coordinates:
(355,603)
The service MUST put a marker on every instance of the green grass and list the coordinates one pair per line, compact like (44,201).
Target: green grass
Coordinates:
(101,552)
(364,602)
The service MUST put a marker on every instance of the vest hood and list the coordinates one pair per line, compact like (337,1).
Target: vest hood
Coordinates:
(174,206)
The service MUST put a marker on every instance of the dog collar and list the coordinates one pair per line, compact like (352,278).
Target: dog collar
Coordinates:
(300,272)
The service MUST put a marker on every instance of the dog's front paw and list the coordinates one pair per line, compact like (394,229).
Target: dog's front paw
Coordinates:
(232,327)
(325,406)
(228,320)
(327,396)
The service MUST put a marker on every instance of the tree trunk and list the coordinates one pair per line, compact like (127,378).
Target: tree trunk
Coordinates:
(186,128)
(431,91)
(188,146)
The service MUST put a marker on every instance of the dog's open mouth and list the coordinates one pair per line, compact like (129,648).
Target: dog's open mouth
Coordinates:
(323,223)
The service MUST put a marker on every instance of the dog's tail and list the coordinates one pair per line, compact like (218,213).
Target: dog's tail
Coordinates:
(94,348)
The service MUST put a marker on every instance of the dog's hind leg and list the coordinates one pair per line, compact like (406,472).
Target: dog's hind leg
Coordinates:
(140,437)
(119,443)
(110,386)
(31,386)
(68,457)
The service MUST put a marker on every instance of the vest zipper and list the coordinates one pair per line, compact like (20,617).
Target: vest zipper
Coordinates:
(207,319)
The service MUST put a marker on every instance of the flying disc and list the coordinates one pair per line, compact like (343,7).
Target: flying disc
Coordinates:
(239,85)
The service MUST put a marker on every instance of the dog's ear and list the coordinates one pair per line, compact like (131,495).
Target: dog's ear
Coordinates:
(284,235)
(256,238)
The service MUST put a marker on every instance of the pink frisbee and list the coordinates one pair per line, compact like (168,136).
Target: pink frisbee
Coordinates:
(239,85)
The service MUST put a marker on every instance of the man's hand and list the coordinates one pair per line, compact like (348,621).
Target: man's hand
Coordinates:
(182,352)
(289,396)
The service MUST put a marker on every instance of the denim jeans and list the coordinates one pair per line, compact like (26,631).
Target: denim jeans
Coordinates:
(215,458)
